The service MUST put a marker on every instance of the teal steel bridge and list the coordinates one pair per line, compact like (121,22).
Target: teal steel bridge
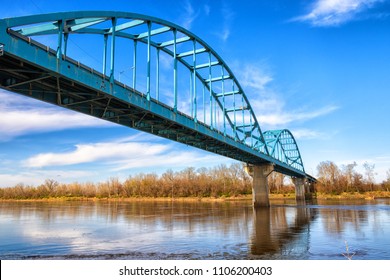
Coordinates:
(153,76)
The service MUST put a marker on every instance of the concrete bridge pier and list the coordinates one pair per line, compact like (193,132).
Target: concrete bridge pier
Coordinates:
(260,190)
(299,190)
(310,190)
(303,190)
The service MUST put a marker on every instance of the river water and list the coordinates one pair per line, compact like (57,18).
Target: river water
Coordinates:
(147,230)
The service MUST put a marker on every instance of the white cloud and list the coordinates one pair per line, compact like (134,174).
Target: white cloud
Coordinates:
(121,155)
(15,123)
(254,77)
(335,12)
(21,116)
(306,134)
(86,153)
(285,118)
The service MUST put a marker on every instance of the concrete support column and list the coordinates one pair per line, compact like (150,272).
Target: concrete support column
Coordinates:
(299,189)
(309,190)
(260,192)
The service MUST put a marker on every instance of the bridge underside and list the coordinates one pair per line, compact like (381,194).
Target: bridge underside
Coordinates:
(31,80)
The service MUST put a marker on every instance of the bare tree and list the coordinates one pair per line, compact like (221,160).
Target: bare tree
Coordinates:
(349,172)
(369,172)
(51,186)
(387,182)
(329,175)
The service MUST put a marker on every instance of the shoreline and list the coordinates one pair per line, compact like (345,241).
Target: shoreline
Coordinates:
(159,199)
(288,196)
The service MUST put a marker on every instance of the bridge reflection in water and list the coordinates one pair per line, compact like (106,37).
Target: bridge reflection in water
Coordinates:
(283,230)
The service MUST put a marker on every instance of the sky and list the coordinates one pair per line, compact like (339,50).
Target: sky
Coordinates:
(319,68)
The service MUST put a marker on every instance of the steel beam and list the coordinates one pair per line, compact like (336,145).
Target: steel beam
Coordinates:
(153,32)
(180,55)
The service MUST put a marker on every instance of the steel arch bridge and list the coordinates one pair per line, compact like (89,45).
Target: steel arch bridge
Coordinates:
(154,76)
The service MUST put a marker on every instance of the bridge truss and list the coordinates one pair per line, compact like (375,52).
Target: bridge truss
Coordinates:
(154,76)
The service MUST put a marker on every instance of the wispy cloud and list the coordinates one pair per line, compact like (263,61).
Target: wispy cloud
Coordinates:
(305,133)
(254,77)
(121,154)
(335,12)
(21,116)
(207,9)
(228,16)
(189,15)
(86,153)
(224,34)
(270,106)
(285,118)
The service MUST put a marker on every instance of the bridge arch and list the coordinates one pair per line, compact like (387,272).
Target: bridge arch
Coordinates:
(283,147)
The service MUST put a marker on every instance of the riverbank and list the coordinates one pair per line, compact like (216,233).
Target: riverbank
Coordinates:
(325,196)
(355,195)
(157,199)
(341,196)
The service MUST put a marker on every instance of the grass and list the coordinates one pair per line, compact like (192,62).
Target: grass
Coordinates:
(355,195)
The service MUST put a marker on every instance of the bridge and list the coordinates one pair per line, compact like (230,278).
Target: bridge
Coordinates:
(153,76)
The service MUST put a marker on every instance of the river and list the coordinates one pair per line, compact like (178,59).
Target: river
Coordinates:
(149,230)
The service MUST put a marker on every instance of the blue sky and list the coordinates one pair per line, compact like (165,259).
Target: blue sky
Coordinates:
(319,68)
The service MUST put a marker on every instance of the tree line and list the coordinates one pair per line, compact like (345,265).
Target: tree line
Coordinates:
(336,179)
(219,181)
